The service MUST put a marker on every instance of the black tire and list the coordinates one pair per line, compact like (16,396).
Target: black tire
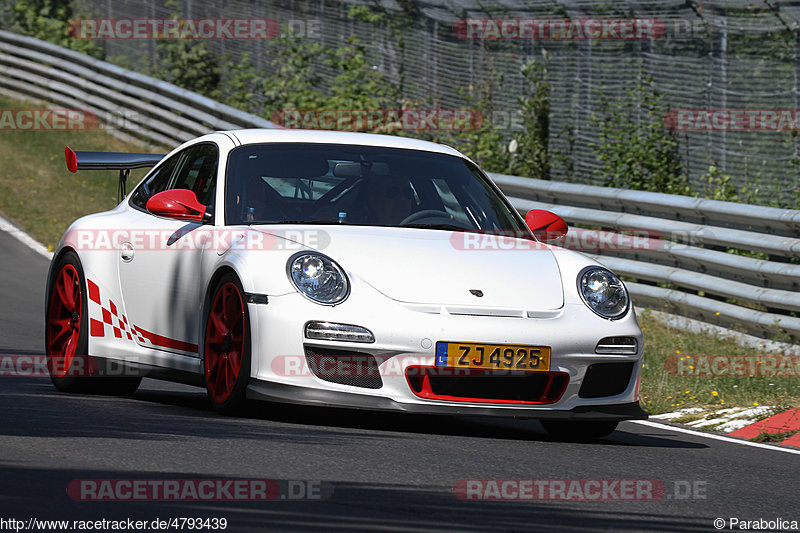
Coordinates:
(575,431)
(226,380)
(83,374)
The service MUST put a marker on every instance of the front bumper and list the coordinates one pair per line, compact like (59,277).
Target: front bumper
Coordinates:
(406,336)
(283,393)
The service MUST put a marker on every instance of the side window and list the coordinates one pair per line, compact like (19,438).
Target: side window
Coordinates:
(197,171)
(194,168)
(156,182)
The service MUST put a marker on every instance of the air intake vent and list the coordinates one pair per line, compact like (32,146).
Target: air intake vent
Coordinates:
(606,379)
(486,386)
(345,367)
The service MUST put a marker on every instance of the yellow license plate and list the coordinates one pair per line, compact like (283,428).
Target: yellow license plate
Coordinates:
(493,356)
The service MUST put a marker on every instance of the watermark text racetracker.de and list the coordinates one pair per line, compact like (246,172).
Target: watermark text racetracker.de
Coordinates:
(353,365)
(578,29)
(39,365)
(25,365)
(755,120)
(197,490)
(47,120)
(379,119)
(761,365)
(579,490)
(191,28)
(196,238)
(558,29)
(408,119)
(54,119)
(175,28)
(576,239)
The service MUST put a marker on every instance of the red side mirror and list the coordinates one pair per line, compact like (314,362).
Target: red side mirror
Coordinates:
(180,204)
(545,225)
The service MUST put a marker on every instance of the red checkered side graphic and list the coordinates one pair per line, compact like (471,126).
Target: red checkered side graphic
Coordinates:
(101,316)
(141,338)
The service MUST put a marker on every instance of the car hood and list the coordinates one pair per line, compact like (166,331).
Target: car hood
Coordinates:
(438,267)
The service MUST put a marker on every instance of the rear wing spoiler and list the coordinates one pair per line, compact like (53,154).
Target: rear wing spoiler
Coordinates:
(122,161)
(108,160)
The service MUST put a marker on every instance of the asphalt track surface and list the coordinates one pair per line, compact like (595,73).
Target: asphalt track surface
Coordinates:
(377,471)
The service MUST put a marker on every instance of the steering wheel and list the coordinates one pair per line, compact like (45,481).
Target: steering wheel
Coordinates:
(425,213)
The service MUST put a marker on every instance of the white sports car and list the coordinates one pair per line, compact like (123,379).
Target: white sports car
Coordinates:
(339,269)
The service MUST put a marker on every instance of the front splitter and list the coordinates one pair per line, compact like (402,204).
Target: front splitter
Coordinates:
(283,393)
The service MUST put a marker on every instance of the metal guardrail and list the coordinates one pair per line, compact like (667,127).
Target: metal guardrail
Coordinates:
(730,264)
(127,102)
(726,263)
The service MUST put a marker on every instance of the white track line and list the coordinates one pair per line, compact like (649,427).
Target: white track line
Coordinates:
(7,226)
(716,437)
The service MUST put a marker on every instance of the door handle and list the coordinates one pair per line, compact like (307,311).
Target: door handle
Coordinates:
(126,253)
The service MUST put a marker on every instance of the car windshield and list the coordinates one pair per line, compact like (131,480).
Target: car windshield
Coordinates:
(361,185)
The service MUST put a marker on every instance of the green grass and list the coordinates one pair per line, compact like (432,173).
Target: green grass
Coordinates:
(36,189)
(662,392)
(38,192)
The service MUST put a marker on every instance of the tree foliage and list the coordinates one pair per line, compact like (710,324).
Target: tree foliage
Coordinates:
(53,21)
(532,158)
(636,149)
(189,64)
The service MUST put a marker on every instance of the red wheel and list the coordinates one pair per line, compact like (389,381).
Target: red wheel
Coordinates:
(226,358)
(66,336)
(64,321)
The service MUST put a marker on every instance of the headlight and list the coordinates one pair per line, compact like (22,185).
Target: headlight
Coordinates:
(318,278)
(603,292)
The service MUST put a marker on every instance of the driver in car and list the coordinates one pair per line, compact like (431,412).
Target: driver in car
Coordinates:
(389,200)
